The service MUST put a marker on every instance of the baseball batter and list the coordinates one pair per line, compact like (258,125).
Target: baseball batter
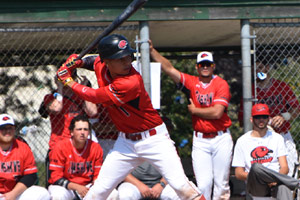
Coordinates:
(143,135)
(212,142)
(18,171)
(75,162)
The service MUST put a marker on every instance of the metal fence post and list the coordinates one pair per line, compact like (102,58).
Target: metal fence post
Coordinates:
(145,57)
(246,71)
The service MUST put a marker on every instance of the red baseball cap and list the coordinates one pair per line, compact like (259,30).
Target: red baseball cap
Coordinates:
(260,109)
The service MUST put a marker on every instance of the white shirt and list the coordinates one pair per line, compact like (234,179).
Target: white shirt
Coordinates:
(264,150)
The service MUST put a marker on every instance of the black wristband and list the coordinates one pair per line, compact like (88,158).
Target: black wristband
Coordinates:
(62,182)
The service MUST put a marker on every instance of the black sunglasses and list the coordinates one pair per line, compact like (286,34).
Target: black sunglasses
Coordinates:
(261,116)
(207,64)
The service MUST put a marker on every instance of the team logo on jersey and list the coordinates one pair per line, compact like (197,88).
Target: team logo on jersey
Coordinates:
(204,55)
(122,44)
(261,154)
(204,99)
(10,166)
(80,167)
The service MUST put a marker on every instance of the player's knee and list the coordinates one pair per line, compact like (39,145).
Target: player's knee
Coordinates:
(57,197)
(256,167)
(43,194)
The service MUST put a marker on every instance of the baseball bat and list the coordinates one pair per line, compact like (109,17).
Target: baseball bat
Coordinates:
(131,8)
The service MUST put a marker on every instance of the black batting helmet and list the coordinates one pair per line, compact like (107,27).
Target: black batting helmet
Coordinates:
(114,47)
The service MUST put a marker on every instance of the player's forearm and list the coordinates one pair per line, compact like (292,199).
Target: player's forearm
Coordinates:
(213,112)
(166,65)
(90,94)
(18,189)
(284,168)
(90,108)
(74,186)
(241,174)
(133,180)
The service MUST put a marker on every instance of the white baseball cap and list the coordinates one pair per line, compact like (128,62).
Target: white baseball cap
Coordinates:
(205,56)
(6,119)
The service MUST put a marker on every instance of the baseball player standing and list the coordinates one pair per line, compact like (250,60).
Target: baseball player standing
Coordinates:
(143,135)
(75,162)
(212,142)
(18,171)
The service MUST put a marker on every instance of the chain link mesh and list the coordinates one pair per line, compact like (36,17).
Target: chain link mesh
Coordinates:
(277,46)
(31,54)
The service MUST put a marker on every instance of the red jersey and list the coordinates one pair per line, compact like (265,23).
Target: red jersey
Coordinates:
(279,97)
(78,167)
(15,163)
(60,121)
(125,98)
(207,95)
(104,127)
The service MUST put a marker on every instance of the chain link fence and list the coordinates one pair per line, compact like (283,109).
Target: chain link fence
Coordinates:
(31,53)
(30,56)
(277,47)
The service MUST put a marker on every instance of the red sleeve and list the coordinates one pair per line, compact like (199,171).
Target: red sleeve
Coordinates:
(93,95)
(222,93)
(120,91)
(57,163)
(123,89)
(291,98)
(29,162)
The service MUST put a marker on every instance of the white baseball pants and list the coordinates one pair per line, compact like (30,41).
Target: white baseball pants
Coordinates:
(158,150)
(33,193)
(211,163)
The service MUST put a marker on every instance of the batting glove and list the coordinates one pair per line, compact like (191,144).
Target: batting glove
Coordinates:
(64,75)
(71,63)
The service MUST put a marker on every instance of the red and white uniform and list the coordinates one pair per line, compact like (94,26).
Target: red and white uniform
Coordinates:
(78,167)
(212,142)
(125,99)
(280,98)
(143,135)
(60,121)
(14,164)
